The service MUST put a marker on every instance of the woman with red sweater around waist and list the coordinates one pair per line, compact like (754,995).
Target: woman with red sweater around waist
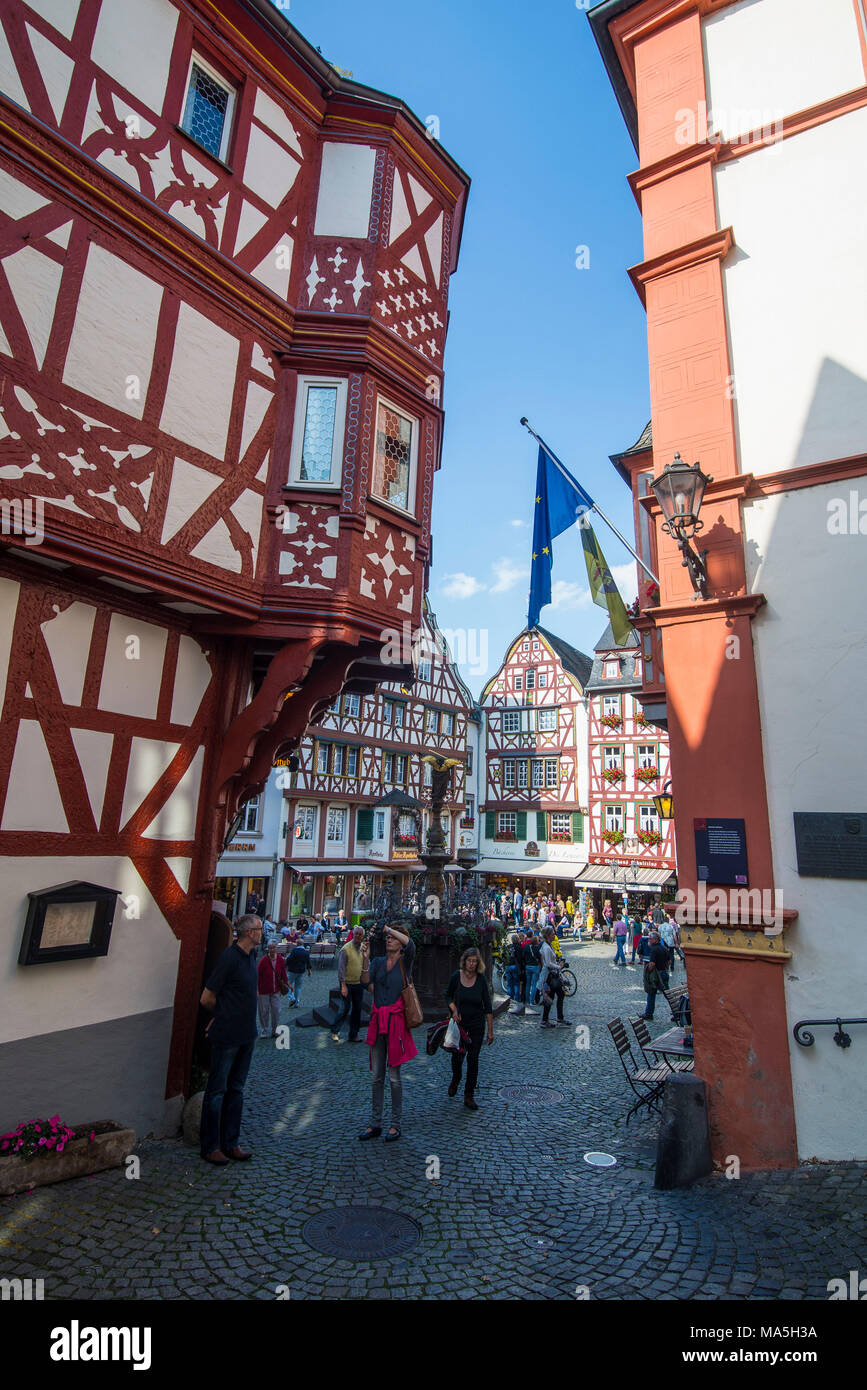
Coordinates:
(390,1040)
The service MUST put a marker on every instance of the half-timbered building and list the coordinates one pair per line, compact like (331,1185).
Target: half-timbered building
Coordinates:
(630,851)
(224,275)
(358,807)
(535,776)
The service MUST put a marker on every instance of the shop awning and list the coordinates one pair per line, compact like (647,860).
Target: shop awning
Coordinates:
(598,876)
(522,868)
(355,867)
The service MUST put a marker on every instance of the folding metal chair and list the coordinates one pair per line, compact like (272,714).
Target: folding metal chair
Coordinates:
(645,1082)
(644,1040)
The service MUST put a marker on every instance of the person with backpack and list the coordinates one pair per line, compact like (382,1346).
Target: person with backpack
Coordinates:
(297,966)
(655,972)
(532,968)
(515,972)
(550,981)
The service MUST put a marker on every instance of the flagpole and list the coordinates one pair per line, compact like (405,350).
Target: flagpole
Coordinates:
(598,510)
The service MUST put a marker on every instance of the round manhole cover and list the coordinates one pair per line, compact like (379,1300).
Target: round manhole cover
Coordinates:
(361,1233)
(600,1160)
(531,1095)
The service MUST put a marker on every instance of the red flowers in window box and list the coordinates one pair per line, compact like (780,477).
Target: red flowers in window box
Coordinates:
(612,721)
(613,774)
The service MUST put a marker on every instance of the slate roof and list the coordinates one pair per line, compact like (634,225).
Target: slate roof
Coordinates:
(577,663)
(605,648)
(642,443)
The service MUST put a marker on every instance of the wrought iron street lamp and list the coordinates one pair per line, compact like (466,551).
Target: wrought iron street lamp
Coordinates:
(664,803)
(679,490)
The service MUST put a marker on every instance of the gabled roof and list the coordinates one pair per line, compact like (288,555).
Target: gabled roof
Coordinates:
(641,445)
(577,663)
(604,649)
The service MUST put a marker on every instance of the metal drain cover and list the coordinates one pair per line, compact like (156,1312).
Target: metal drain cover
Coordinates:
(600,1160)
(531,1095)
(361,1233)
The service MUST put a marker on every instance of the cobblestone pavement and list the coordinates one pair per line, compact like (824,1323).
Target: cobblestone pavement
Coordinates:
(516,1213)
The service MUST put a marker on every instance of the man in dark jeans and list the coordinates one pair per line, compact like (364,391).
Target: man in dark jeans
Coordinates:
(659,957)
(349,967)
(231,995)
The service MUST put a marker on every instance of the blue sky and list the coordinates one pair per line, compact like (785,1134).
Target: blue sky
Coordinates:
(525,106)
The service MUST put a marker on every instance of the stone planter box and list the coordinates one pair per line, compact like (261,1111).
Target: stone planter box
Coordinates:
(80,1157)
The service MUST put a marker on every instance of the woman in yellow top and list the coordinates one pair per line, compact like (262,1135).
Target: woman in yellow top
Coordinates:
(556,948)
(591,919)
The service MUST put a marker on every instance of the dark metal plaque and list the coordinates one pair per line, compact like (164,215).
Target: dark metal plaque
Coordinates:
(362,1234)
(721,849)
(831,844)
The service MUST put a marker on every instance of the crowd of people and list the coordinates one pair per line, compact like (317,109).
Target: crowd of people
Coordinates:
(251,977)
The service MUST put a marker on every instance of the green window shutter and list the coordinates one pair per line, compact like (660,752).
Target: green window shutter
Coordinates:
(541,827)
(521,824)
(364,824)
(577,827)
(490,824)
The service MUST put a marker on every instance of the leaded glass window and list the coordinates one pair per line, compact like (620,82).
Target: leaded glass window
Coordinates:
(206,110)
(393,459)
(318,446)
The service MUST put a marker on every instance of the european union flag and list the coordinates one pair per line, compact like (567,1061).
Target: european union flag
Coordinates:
(559,503)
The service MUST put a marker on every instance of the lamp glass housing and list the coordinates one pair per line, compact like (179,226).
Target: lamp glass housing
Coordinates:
(664,803)
(679,490)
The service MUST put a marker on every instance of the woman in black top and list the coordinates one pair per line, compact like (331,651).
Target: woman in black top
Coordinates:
(469,1001)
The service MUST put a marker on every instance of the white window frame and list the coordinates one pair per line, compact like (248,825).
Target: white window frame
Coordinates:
(423,670)
(196,60)
(432,721)
(546,720)
(254,805)
(531,678)
(379,825)
(519,680)
(611,670)
(338,759)
(612,757)
(614,816)
(613,701)
(388,711)
(522,772)
(542,681)
(400,769)
(305,383)
(537,772)
(323,749)
(352,760)
(645,755)
(507,823)
(564,829)
(352,706)
(552,772)
(304,816)
(334,811)
(447,722)
(509,772)
(399,714)
(470,807)
(388,769)
(409,509)
(648,820)
(511,721)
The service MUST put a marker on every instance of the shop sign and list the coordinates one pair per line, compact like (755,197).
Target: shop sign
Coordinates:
(531,850)
(405,854)
(241,849)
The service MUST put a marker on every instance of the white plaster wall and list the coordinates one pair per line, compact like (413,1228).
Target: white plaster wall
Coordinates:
(192,678)
(201,383)
(115,332)
(778,57)
(811,657)
(133,42)
(131,684)
(138,974)
(67,636)
(345,187)
(269,170)
(796,290)
(61,14)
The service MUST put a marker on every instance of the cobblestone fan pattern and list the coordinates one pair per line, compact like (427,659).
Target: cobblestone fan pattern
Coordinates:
(515,1212)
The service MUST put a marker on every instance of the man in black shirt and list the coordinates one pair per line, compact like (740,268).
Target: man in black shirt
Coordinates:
(658,962)
(230,993)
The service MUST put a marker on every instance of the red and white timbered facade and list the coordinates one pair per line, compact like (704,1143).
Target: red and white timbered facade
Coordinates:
(223,296)
(628,764)
(352,826)
(535,787)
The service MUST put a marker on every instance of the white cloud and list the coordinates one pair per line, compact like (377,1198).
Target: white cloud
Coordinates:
(508,573)
(566,594)
(461,586)
(519,523)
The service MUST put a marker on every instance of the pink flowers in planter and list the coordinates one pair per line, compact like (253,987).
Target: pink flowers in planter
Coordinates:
(29,1140)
